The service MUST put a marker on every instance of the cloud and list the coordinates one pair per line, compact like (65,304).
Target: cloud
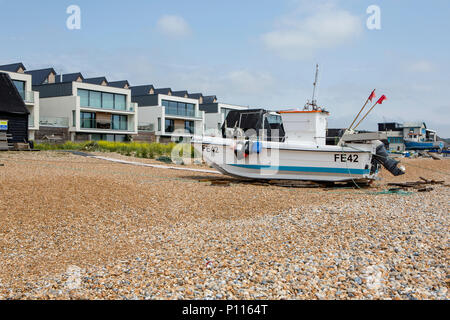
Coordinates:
(297,36)
(173,26)
(422,66)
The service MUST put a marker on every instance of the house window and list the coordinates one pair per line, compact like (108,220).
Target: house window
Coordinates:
(119,122)
(120,102)
(159,124)
(189,126)
(20,85)
(169,126)
(103,100)
(84,97)
(107,100)
(95,99)
(87,120)
(179,108)
(74,121)
(190,110)
(108,137)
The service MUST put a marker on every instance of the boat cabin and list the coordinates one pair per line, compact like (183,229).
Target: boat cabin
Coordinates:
(305,127)
(260,123)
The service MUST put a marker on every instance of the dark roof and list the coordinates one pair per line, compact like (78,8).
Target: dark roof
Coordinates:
(141,90)
(10,99)
(69,77)
(195,95)
(14,67)
(180,93)
(40,75)
(209,99)
(163,91)
(97,80)
(119,84)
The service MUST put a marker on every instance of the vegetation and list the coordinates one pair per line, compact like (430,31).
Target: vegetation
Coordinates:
(135,149)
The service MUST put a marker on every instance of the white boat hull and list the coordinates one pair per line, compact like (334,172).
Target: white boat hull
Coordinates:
(283,161)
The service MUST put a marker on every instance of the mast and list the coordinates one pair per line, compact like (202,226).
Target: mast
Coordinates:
(316,81)
(313,103)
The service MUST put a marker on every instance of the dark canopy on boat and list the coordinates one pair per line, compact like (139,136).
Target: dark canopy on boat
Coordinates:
(254,120)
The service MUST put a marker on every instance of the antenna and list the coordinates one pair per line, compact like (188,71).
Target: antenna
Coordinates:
(313,103)
(316,81)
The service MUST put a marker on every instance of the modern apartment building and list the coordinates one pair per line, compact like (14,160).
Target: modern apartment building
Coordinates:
(215,114)
(78,109)
(165,116)
(23,83)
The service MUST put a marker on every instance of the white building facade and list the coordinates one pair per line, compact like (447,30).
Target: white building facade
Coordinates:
(89,111)
(215,115)
(169,117)
(23,83)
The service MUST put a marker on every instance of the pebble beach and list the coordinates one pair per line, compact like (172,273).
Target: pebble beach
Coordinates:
(73,227)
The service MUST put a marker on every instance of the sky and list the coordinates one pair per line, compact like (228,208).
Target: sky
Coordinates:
(256,53)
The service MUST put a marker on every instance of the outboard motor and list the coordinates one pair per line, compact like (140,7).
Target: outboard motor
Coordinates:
(390,164)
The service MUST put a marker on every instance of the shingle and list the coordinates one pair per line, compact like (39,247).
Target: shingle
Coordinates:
(69,77)
(209,99)
(163,91)
(195,95)
(40,75)
(98,80)
(119,84)
(141,90)
(180,94)
(14,67)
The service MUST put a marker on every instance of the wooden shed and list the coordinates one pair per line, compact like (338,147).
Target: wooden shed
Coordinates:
(13,113)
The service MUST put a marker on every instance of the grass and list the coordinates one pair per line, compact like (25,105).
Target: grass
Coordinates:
(135,149)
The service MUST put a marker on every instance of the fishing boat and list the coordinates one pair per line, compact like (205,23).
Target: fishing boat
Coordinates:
(291,145)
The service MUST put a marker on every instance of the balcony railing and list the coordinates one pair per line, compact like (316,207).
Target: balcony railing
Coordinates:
(102,125)
(173,111)
(129,107)
(30,121)
(29,96)
(145,126)
(54,122)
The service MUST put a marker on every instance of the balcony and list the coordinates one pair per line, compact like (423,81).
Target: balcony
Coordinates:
(128,107)
(54,122)
(146,126)
(184,113)
(30,121)
(103,125)
(29,97)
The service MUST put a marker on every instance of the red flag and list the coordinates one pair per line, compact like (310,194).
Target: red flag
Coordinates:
(372,95)
(382,98)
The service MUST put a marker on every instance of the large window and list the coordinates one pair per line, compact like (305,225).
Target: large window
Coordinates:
(20,85)
(107,100)
(120,102)
(103,100)
(170,126)
(119,122)
(179,108)
(108,137)
(87,120)
(189,126)
(84,97)
(95,99)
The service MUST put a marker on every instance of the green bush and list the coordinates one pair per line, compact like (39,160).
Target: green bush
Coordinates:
(137,149)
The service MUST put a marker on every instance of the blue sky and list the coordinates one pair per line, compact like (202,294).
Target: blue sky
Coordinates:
(257,53)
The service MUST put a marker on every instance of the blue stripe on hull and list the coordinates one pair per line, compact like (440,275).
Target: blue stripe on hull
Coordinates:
(303,169)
